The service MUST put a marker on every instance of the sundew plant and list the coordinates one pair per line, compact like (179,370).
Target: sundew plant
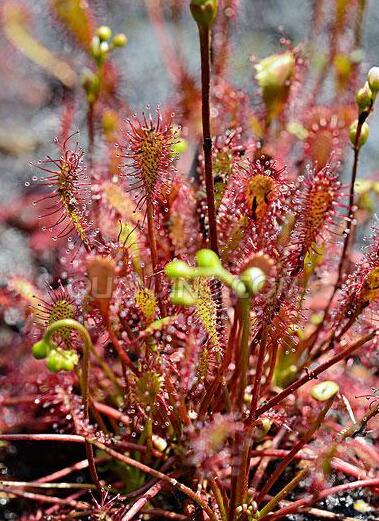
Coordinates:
(206,345)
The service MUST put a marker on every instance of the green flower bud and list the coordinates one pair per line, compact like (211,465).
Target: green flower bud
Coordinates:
(54,361)
(254,279)
(324,390)
(207,259)
(67,365)
(182,295)
(119,40)
(177,269)
(373,79)
(41,349)
(61,360)
(275,71)
(204,12)
(69,360)
(104,33)
(364,97)
(104,47)
(364,133)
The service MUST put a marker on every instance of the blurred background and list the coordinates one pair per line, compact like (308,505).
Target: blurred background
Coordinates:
(30,98)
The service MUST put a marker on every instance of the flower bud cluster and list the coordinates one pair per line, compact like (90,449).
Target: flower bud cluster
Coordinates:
(208,264)
(365,99)
(57,359)
(101,45)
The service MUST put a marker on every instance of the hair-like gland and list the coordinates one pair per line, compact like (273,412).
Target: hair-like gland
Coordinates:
(59,306)
(316,207)
(222,168)
(251,211)
(182,220)
(147,388)
(226,151)
(320,204)
(206,309)
(68,183)
(147,303)
(150,156)
(360,290)
(206,312)
(151,162)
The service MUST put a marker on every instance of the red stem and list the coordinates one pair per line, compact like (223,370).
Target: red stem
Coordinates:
(313,374)
(260,471)
(80,465)
(154,256)
(310,500)
(212,391)
(204,34)
(156,474)
(350,215)
(292,453)
(258,378)
(41,498)
(124,357)
(159,513)
(142,501)
(336,463)
(67,438)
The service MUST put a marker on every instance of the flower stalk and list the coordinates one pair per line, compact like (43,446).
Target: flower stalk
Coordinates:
(358,136)
(84,381)
(154,256)
(205,14)
(310,375)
